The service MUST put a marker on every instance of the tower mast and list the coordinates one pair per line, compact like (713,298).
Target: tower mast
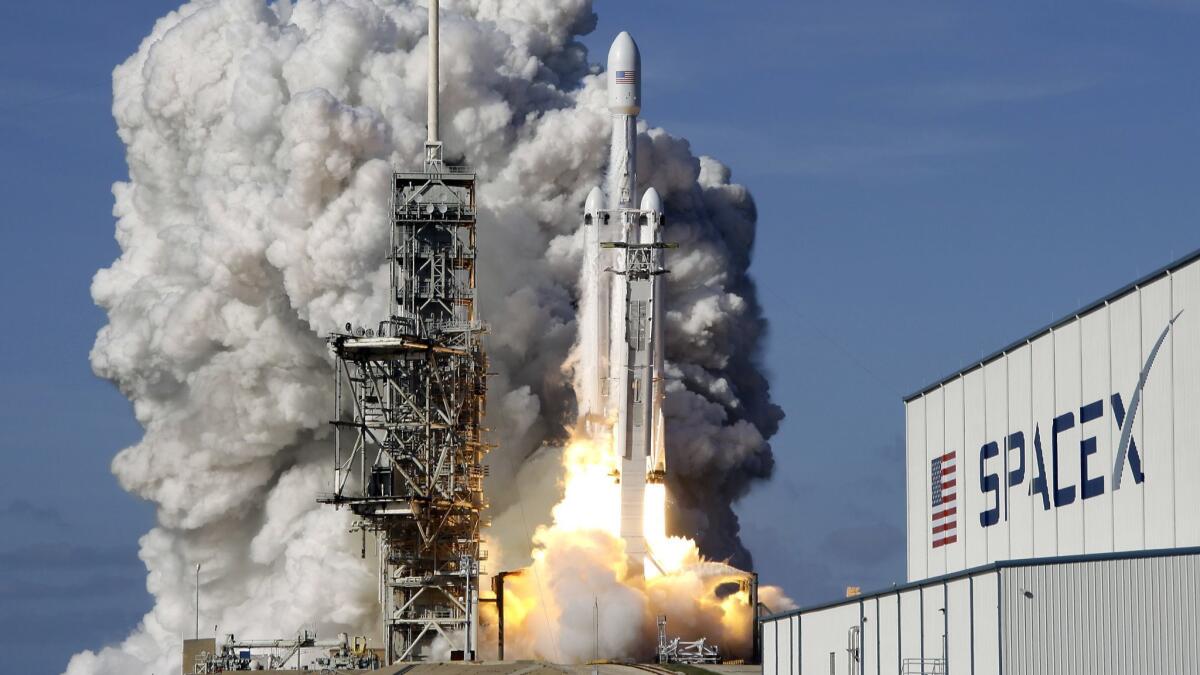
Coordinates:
(410,398)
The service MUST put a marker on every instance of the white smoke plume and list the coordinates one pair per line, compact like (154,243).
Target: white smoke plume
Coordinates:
(260,138)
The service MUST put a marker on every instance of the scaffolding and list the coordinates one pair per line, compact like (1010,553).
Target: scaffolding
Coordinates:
(409,405)
(409,399)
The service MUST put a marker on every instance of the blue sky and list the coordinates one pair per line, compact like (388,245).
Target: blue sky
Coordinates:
(933,181)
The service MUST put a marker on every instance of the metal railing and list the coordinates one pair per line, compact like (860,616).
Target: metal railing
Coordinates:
(918,666)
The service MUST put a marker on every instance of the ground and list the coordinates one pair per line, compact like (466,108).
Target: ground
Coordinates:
(541,668)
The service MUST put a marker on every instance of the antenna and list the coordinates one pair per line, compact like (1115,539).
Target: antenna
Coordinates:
(198,602)
(433,146)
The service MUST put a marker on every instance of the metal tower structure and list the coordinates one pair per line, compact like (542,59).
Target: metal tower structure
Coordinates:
(410,397)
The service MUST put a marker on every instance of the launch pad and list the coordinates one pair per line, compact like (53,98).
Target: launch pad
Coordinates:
(410,390)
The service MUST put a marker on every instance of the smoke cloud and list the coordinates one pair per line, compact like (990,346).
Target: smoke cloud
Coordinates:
(260,140)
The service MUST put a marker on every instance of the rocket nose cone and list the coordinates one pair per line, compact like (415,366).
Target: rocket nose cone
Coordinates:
(624,76)
(594,201)
(623,54)
(651,201)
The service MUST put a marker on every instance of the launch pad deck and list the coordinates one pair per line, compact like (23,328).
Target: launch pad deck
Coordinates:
(527,668)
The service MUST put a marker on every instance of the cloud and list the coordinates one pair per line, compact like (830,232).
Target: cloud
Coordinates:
(23,509)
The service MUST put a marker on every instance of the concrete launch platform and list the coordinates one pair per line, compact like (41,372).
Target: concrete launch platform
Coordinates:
(533,668)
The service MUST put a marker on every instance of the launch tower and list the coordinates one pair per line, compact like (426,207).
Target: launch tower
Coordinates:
(410,397)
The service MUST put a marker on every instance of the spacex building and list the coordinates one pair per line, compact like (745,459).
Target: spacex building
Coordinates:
(1053,509)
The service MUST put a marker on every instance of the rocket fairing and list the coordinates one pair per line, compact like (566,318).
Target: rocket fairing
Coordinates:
(621,340)
(625,102)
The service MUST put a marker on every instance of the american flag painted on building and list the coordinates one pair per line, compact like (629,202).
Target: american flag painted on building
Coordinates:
(626,77)
(945,495)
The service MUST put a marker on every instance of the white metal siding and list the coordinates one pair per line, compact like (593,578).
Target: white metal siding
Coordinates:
(986,624)
(825,632)
(907,626)
(871,637)
(1185,352)
(794,664)
(917,482)
(1097,386)
(1156,412)
(958,612)
(1020,418)
(996,425)
(1113,616)
(955,555)
(889,634)
(971,502)
(934,624)
(1045,528)
(770,632)
(910,622)
(1125,329)
(1091,361)
(935,433)
(1064,447)
(784,646)
(1133,615)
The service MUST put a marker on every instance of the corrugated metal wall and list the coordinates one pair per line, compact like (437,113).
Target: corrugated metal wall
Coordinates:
(1129,615)
(1014,402)
(933,625)
(819,639)
(1115,616)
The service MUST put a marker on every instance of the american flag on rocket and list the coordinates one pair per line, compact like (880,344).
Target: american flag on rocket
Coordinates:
(626,77)
(945,493)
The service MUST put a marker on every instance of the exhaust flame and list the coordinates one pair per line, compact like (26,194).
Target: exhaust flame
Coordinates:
(590,488)
(579,600)
(669,554)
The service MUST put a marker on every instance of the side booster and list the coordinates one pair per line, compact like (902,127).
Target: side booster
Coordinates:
(622,334)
